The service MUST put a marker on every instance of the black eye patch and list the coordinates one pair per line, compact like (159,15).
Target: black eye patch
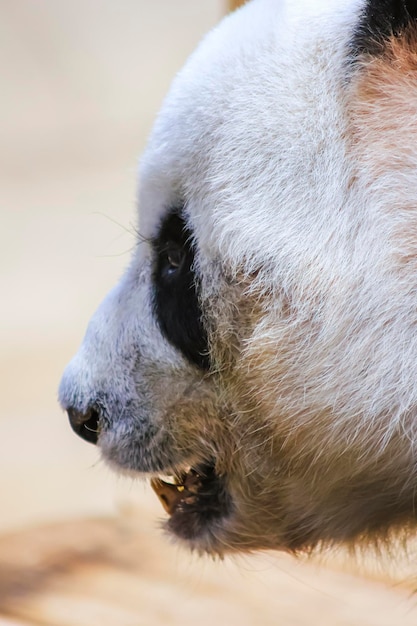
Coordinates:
(176,302)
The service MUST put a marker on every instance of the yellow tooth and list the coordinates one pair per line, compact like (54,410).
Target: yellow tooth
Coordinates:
(169,495)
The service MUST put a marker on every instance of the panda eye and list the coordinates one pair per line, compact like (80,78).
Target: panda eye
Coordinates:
(174,257)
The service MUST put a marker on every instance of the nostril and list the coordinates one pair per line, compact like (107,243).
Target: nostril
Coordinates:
(86,425)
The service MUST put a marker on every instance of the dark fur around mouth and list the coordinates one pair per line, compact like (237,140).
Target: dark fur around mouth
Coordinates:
(195,501)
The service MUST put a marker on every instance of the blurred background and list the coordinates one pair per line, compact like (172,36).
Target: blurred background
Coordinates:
(81,82)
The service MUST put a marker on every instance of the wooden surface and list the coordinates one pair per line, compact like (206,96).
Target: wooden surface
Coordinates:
(118,572)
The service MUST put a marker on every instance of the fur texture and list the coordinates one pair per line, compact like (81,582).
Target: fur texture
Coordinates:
(290,152)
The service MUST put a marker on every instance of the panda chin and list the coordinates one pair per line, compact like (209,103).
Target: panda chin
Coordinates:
(196,500)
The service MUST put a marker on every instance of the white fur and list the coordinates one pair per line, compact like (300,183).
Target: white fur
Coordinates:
(258,140)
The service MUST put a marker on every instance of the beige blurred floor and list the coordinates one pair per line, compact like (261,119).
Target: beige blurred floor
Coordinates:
(81,83)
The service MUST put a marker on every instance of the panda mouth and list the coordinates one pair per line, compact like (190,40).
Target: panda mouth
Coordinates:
(196,500)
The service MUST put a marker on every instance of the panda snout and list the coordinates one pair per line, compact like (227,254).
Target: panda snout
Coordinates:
(87,424)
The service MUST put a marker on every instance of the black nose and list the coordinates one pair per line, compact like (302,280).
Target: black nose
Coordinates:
(86,425)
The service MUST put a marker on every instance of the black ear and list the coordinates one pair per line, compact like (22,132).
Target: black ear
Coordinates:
(379,20)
